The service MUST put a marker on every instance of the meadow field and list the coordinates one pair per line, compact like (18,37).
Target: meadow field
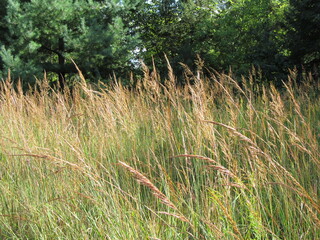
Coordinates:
(212,159)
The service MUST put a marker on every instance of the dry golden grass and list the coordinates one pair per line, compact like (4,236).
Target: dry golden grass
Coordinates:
(215,159)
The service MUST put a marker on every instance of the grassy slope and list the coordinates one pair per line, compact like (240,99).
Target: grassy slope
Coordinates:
(144,164)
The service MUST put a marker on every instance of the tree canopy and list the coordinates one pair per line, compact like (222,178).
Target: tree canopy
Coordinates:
(304,34)
(47,34)
(110,36)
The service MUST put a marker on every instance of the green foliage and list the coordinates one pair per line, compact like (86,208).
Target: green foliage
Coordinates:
(223,33)
(249,33)
(304,34)
(45,35)
(3,27)
(106,37)
(156,23)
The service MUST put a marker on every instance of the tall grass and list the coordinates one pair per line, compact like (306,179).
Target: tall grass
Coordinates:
(210,160)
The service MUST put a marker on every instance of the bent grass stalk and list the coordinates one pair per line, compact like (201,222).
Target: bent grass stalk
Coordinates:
(155,191)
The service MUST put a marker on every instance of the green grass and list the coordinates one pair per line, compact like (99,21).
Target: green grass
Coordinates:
(211,160)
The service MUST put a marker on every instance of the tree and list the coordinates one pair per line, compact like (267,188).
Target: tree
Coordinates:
(250,33)
(3,27)
(173,28)
(46,34)
(154,21)
(223,33)
(303,19)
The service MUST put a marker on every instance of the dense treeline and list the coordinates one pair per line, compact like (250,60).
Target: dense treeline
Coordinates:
(111,36)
